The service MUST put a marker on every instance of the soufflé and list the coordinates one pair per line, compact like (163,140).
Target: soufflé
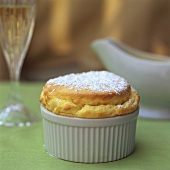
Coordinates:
(89,117)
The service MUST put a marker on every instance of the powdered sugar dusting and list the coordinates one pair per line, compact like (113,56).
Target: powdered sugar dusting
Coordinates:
(101,81)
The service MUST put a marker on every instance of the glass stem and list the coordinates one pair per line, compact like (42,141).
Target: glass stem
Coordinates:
(14,73)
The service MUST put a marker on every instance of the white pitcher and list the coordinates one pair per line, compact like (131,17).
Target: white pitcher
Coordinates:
(148,73)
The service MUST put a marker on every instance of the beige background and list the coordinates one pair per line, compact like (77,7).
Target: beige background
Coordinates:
(65,29)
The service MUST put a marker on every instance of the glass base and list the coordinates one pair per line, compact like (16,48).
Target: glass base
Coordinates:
(16,114)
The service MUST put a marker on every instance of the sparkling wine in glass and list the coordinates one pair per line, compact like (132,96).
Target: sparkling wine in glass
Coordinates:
(17,19)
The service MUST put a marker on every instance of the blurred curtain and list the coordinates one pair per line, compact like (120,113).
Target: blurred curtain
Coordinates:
(65,30)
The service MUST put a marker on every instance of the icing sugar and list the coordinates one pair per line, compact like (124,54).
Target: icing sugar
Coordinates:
(101,81)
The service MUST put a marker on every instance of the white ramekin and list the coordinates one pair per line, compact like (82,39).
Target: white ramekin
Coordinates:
(89,140)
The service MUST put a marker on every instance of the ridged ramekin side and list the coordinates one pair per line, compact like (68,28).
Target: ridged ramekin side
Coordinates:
(89,144)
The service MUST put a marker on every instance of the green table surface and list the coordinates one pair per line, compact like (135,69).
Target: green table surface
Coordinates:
(22,148)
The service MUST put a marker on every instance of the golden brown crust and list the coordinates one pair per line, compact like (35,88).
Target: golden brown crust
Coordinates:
(87,103)
(86,96)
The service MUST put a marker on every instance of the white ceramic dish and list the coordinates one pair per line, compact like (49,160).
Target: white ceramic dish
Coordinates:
(149,74)
(89,140)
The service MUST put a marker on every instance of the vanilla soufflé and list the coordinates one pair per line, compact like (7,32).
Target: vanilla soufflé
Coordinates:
(93,94)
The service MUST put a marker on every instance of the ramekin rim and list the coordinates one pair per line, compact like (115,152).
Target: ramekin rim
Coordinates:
(88,122)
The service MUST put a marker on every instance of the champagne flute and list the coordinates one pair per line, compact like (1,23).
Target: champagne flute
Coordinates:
(17,19)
